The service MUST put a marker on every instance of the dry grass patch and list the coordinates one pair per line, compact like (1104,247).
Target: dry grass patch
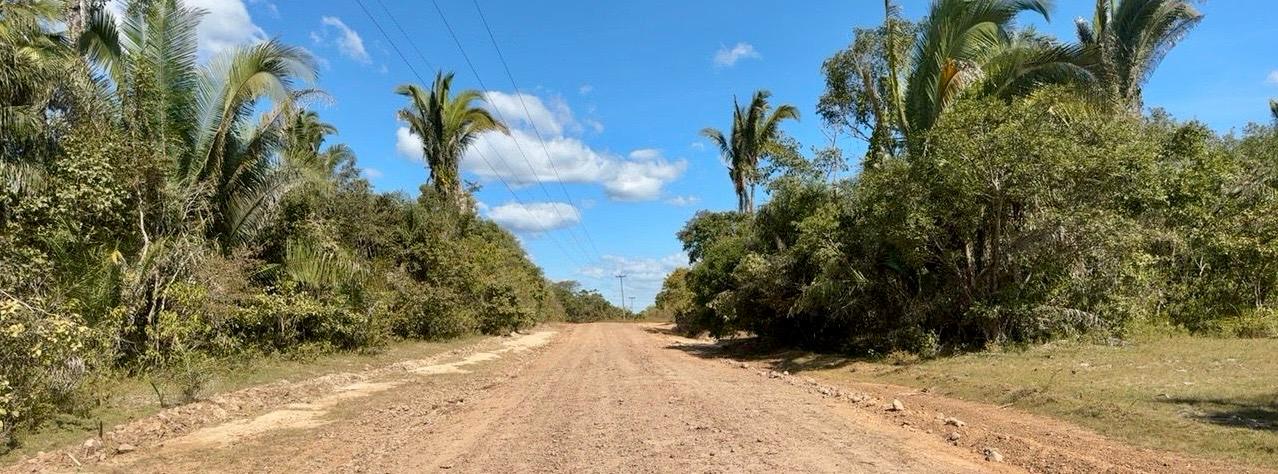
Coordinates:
(1216,398)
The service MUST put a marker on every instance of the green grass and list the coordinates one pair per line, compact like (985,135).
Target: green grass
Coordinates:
(1215,398)
(128,399)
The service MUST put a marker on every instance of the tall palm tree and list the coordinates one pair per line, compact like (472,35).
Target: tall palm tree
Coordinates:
(202,122)
(303,152)
(1273,108)
(447,124)
(1127,39)
(972,43)
(755,133)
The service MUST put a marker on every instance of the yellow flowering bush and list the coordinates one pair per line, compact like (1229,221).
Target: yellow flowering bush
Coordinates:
(41,362)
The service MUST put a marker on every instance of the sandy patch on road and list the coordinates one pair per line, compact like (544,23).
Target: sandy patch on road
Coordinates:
(314,413)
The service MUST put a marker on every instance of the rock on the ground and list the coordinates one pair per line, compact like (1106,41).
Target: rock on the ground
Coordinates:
(953,436)
(896,405)
(125,448)
(955,422)
(92,445)
(992,455)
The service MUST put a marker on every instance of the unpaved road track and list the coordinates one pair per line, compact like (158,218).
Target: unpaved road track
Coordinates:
(587,398)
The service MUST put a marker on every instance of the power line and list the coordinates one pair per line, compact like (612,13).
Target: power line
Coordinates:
(518,147)
(388,40)
(520,95)
(405,34)
(482,157)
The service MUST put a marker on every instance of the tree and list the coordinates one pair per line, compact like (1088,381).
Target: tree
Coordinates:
(963,48)
(967,43)
(446,125)
(755,133)
(1126,40)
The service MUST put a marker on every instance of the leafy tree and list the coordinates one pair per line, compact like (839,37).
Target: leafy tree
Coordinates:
(446,124)
(755,134)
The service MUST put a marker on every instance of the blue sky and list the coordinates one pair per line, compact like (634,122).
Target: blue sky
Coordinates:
(619,90)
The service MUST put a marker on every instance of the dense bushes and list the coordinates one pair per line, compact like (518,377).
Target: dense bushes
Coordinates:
(1022,221)
(136,243)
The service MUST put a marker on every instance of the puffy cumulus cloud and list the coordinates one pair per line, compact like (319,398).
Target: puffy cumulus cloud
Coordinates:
(642,180)
(522,158)
(637,178)
(348,42)
(728,57)
(535,217)
(501,156)
(408,145)
(551,117)
(1272,79)
(225,24)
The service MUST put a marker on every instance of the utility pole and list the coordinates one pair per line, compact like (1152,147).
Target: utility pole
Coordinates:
(621,278)
(632,304)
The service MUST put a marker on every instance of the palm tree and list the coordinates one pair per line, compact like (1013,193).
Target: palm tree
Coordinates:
(303,152)
(756,132)
(201,122)
(1273,108)
(446,125)
(912,72)
(964,44)
(1127,39)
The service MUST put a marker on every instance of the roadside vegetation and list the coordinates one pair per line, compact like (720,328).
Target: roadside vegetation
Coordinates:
(1023,230)
(1013,191)
(163,215)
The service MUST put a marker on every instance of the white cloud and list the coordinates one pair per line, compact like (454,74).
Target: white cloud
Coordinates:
(372,173)
(520,159)
(552,119)
(569,160)
(535,217)
(726,57)
(645,154)
(683,201)
(585,89)
(225,24)
(698,146)
(408,145)
(1272,78)
(642,180)
(348,42)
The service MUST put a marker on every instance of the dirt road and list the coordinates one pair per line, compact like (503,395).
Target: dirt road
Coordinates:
(583,398)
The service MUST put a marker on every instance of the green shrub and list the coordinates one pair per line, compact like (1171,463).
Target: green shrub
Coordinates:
(44,357)
(1259,323)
